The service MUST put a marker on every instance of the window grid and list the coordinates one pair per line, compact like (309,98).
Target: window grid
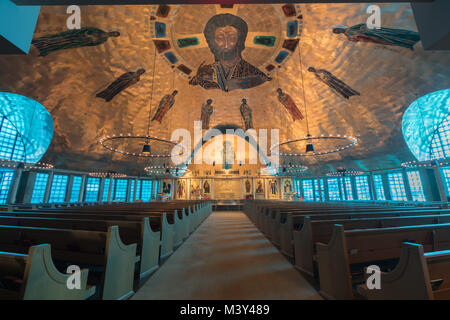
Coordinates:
(121,190)
(298,189)
(146,190)
(446,173)
(397,187)
(76,188)
(440,145)
(415,183)
(348,188)
(11,144)
(138,195)
(379,189)
(155,189)
(58,189)
(341,185)
(333,189)
(40,185)
(316,190)
(362,188)
(106,189)
(92,186)
(322,188)
(6,178)
(131,195)
(308,191)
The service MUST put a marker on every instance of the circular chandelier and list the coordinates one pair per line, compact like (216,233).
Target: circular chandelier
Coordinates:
(426,163)
(111,174)
(146,151)
(25,165)
(341,142)
(166,170)
(344,173)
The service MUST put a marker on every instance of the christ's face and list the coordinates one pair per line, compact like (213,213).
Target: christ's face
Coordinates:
(226,38)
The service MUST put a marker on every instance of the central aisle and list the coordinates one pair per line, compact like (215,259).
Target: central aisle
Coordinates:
(227,258)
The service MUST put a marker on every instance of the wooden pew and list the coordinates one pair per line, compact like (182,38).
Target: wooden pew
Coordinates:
(111,263)
(293,222)
(418,276)
(160,223)
(139,232)
(321,231)
(341,261)
(33,276)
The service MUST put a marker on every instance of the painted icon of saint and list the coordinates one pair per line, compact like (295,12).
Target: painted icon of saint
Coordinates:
(385,36)
(121,83)
(207,111)
(165,105)
(84,37)
(246,113)
(225,35)
(339,86)
(206,188)
(247,186)
(289,104)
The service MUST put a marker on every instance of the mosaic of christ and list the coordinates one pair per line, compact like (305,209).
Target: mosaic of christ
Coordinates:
(226,35)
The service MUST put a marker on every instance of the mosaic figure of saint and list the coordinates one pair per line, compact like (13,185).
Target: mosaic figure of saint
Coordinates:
(121,83)
(247,186)
(84,37)
(165,105)
(226,34)
(287,187)
(206,187)
(385,36)
(180,189)
(289,104)
(259,187)
(246,113)
(207,111)
(339,86)
(273,186)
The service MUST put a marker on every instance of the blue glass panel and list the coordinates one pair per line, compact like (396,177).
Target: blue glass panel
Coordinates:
(415,183)
(348,188)
(58,189)
(131,195)
(308,191)
(138,190)
(12,146)
(333,189)
(362,188)
(76,189)
(397,187)
(379,189)
(6,178)
(39,188)
(92,186)
(121,190)
(146,190)
(106,189)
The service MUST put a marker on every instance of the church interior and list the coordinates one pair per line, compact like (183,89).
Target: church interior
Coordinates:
(266,151)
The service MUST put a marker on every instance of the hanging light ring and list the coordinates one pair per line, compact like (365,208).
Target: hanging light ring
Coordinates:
(350,142)
(106,143)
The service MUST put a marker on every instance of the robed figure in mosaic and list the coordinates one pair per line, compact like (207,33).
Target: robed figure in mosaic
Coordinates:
(384,36)
(84,37)
(207,111)
(121,83)
(289,104)
(246,113)
(165,105)
(339,86)
(226,34)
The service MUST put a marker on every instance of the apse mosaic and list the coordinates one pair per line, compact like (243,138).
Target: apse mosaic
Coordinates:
(226,47)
